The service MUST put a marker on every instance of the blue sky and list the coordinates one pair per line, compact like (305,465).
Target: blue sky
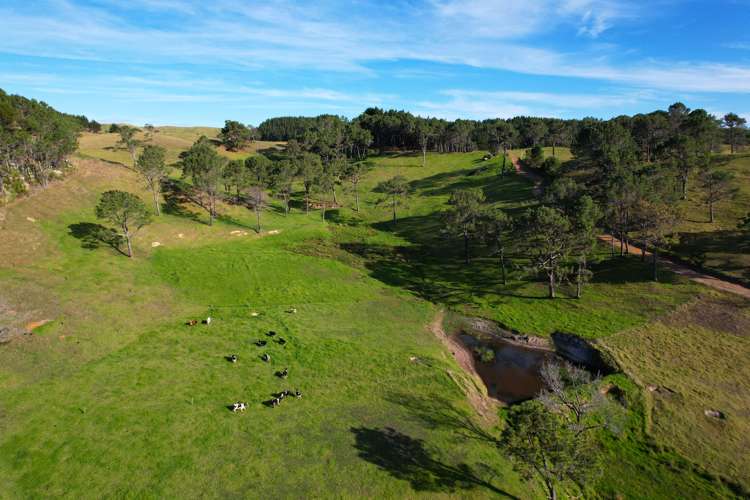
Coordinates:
(187,62)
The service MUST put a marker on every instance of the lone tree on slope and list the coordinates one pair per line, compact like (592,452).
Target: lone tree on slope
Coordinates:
(463,219)
(124,210)
(128,141)
(717,185)
(396,190)
(234,136)
(153,169)
(546,236)
(735,126)
(206,168)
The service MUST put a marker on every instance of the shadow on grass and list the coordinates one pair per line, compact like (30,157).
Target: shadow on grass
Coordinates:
(726,250)
(177,194)
(95,236)
(437,412)
(407,458)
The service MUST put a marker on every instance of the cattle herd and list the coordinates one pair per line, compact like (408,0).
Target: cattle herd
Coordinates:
(278,397)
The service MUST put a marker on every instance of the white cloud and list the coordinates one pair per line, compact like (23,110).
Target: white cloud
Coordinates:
(331,36)
(476,104)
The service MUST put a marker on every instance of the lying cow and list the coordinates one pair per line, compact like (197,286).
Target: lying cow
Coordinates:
(192,322)
(238,406)
(266,358)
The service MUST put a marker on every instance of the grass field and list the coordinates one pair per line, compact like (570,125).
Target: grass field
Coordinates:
(117,397)
(173,139)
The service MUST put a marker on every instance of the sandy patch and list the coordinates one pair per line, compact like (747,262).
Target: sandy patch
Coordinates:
(30,219)
(30,327)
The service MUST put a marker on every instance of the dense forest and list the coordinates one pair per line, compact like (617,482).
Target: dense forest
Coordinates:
(35,140)
(384,130)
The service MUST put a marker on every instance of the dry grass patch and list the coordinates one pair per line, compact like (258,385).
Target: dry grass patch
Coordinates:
(693,360)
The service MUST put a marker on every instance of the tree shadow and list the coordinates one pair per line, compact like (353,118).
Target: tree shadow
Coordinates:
(408,459)
(94,236)
(437,412)
(177,194)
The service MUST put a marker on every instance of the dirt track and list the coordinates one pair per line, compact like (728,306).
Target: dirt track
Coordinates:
(676,268)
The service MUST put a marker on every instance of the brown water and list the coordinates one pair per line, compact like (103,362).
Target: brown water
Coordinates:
(514,375)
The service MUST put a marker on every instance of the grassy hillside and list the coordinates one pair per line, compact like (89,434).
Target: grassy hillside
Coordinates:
(116,396)
(173,139)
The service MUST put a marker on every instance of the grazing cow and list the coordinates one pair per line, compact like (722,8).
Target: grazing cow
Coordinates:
(207,321)
(275,402)
(292,310)
(271,333)
(281,341)
(238,406)
(192,322)
(284,373)
(297,393)
(266,358)
(233,358)
(261,343)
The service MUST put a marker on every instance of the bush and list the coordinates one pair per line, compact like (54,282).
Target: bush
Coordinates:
(485,354)
(534,157)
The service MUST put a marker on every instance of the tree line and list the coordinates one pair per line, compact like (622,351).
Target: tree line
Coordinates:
(392,129)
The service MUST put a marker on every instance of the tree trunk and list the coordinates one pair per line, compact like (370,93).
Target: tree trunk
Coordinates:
(127,240)
(323,211)
(307,202)
(356,198)
(210,211)
(684,187)
(553,149)
(333,189)
(257,218)
(655,260)
(643,253)
(551,492)
(502,264)
(466,248)
(711,211)
(424,155)
(622,245)
(394,209)
(551,275)
(155,192)
(612,241)
(579,279)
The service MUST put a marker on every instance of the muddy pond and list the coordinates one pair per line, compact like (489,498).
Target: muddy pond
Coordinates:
(514,373)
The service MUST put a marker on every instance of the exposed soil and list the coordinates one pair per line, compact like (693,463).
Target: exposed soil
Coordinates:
(30,327)
(485,406)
